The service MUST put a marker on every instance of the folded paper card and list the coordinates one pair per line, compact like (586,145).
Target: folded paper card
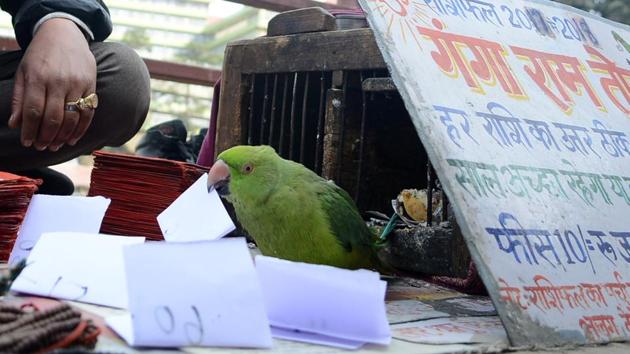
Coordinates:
(196,215)
(80,267)
(51,213)
(322,304)
(193,294)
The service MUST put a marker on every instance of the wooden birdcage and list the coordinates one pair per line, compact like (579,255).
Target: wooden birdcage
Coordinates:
(324,98)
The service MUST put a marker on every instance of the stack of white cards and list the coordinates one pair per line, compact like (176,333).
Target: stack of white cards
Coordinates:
(199,290)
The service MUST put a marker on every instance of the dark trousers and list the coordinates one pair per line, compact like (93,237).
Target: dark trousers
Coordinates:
(124,93)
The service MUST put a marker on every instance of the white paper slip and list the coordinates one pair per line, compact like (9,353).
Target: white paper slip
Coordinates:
(51,213)
(322,300)
(313,338)
(196,215)
(123,326)
(79,267)
(194,294)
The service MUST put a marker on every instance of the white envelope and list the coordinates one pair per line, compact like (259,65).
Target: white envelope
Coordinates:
(193,294)
(51,213)
(80,267)
(195,215)
(324,305)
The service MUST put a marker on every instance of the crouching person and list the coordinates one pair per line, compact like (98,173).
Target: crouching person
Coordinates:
(66,93)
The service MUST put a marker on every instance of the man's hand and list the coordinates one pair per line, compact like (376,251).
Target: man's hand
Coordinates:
(57,67)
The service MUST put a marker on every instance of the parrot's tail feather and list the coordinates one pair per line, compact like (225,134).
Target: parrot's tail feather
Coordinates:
(388,229)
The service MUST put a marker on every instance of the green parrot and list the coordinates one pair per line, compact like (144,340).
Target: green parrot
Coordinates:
(291,212)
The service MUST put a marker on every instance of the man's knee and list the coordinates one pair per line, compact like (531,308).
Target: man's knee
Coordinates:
(123,86)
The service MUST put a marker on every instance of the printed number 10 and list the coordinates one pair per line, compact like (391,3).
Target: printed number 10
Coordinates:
(167,322)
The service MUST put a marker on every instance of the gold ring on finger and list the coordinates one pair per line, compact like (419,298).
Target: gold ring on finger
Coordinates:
(88,102)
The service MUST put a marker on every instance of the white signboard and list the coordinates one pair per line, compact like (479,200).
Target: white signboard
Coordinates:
(524,110)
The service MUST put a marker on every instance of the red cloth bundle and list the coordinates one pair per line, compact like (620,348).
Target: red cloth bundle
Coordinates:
(140,188)
(15,195)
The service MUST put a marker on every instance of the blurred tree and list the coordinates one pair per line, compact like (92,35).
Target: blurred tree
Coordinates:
(207,47)
(616,10)
(586,5)
(137,38)
(201,49)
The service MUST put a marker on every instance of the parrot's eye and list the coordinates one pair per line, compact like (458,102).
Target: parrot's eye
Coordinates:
(248,168)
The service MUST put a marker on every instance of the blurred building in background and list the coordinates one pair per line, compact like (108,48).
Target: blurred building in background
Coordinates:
(184,31)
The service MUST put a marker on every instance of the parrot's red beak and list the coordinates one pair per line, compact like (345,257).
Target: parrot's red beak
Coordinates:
(219,178)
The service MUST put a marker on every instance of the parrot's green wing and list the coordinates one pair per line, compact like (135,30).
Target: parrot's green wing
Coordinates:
(345,221)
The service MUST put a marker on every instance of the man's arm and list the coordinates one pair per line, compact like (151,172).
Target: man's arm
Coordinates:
(28,13)
(57,67)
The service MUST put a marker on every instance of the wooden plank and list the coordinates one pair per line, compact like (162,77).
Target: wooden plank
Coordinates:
(232,105)
(332,133)
(321,51)
(288,5)
(188,74)
(312,19)
(8,44)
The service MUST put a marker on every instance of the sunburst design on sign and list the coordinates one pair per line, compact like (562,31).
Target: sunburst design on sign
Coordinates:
(402,17)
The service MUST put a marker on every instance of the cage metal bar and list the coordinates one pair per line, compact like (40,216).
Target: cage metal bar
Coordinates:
(272,118)
(263,117)
(357,191)
(320,124)
(304,116)
(430,185)
(283,115)
(444,206)
(342,133)
(292,122)
(332,132)
(252,97)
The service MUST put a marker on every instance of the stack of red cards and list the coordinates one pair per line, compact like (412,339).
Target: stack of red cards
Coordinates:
(140,188)
(15,195)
